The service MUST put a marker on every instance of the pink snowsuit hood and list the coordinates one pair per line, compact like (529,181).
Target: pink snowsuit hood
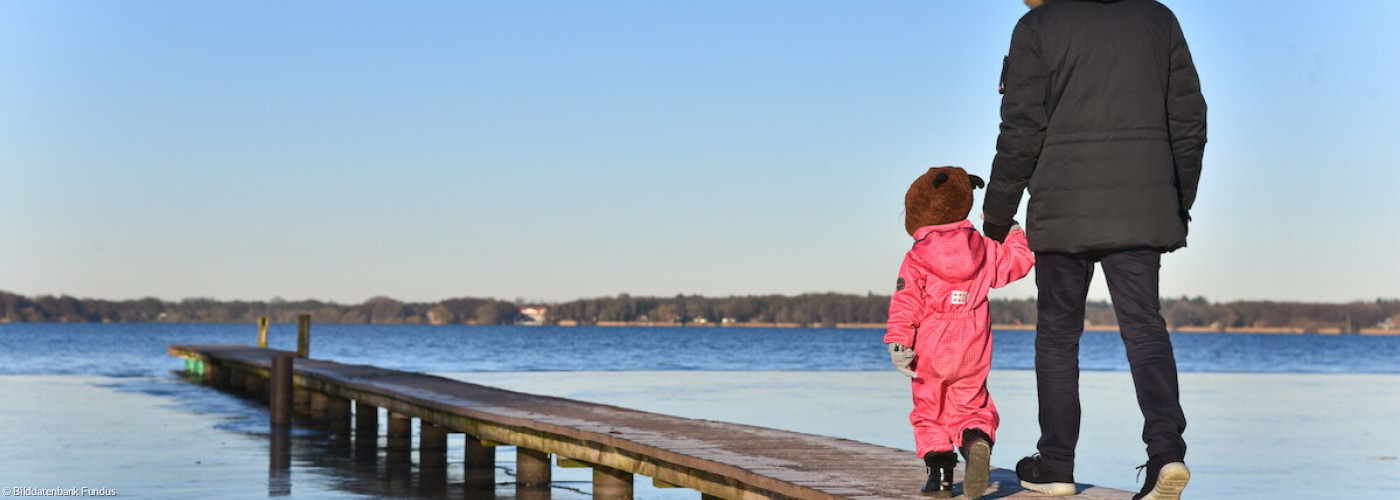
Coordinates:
(952,252)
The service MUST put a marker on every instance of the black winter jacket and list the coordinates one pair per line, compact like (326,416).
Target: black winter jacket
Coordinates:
(1104,121)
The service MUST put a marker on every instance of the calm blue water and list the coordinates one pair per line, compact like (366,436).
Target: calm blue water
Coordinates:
(140,349)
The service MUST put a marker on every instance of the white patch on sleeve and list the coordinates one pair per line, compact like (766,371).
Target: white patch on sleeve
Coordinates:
(958,297)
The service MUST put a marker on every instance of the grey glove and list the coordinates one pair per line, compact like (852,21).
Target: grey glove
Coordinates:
(902,357)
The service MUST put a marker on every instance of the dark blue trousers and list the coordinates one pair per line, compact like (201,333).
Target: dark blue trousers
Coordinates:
(1063,282)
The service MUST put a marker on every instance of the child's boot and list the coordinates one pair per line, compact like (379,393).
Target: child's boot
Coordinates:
(940,473)
(977,451)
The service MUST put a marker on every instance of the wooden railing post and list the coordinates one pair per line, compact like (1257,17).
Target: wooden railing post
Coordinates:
(304,336)
(262,331)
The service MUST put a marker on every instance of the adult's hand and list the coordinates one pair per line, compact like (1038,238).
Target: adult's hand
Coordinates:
(997,231)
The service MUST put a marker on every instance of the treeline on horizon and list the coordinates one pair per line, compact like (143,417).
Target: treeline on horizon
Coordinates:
(817,309)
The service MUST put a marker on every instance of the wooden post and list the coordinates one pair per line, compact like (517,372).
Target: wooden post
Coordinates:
(611,484)
(320,404)
(528,493)
(431,438)
(366,420)
(532,467)
(432,447)
(223,377)
(254,385)
(301,400)
(400,432)
(337,414)
(398,453)
(235,381)
(480,463)
(304,336)
(262,332)
(279,391)
(366,433)
(432,460)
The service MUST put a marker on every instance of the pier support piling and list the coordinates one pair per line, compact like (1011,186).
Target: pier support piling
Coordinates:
(279,391)
(255,385)
(400,435)
(301,401)
(319,406)
(611,484)
(337,415)
(432,446)
(366,420)
(235,382)
(532,468)
(222,378)
(480,464)
(366,433)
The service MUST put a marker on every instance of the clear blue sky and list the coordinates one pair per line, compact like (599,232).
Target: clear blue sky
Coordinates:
(555,150)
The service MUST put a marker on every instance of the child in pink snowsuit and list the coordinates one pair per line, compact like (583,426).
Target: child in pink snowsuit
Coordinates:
(939,331)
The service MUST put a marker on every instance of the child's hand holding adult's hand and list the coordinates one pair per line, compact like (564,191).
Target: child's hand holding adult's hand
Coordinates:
(902,358)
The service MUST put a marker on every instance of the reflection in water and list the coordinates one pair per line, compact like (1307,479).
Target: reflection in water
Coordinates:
(279,469)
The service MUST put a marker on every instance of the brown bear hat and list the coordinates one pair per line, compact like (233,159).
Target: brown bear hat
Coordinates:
(942,195)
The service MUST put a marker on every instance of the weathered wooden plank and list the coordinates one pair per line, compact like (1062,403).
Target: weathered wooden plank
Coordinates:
(718,459)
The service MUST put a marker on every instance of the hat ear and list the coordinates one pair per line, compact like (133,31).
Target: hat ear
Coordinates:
(939,179)
(976,181)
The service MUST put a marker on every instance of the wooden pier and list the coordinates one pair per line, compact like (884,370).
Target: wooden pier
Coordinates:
(718,459)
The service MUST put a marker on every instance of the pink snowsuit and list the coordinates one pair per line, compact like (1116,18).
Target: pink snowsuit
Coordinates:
(939,308)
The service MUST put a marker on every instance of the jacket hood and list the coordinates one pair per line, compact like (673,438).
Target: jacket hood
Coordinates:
(953,252)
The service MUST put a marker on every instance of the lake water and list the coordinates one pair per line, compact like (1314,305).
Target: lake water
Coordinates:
(138,349)
(1271,416)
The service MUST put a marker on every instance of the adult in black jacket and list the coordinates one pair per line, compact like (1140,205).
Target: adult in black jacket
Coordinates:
(1104,122)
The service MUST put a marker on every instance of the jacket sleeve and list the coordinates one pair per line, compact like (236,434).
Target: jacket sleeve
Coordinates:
(1014,258)
(1023,122)
(906,305)
(1186,117)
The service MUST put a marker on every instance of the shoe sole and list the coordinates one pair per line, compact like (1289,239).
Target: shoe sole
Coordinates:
(979,464)
(1170,481)
(1051,489)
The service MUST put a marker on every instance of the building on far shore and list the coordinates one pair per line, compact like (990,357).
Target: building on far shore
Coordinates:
(533,315)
